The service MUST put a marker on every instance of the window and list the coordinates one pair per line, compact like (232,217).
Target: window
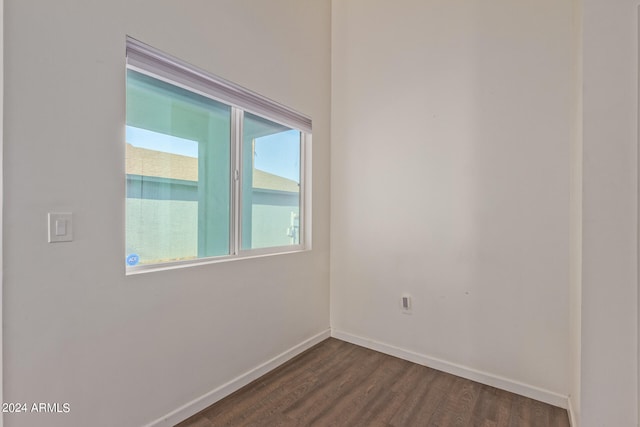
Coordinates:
(213,171)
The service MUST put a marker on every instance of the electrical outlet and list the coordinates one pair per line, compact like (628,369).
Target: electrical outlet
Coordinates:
(405,303)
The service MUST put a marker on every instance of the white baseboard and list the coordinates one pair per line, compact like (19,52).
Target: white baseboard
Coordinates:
(224,390)
(512,386)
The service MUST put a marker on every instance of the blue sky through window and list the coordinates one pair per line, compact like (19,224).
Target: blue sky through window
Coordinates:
(143,138)
(279,154)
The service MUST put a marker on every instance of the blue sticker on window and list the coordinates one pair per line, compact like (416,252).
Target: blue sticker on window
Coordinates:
(133,259)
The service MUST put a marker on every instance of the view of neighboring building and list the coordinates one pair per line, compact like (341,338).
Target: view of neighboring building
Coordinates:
(162,206)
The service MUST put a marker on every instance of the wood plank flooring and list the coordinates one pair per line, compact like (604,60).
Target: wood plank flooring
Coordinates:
(340,384)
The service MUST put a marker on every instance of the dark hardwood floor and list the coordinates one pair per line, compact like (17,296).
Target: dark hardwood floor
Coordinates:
(340,384)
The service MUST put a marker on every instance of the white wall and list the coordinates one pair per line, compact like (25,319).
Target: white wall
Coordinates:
(1,198)
(609,375)
(575,230)
(126,350)
(451,131)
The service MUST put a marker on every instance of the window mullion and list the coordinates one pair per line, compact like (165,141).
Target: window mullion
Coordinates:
(236,179)
(303,190)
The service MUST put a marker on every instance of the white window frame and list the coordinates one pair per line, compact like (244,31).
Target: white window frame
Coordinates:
(147,60)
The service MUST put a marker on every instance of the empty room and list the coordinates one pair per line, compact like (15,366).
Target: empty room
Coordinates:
(319,212)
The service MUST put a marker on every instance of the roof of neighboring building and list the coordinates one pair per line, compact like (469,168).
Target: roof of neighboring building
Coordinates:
(269,181)
(141,161)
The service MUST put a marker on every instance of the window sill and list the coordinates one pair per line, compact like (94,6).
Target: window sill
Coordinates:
(249,254)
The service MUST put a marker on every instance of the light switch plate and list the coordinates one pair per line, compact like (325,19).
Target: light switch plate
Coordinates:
(60,227)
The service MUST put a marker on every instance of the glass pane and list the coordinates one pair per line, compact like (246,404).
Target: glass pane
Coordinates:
(270,184)
(178,169)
